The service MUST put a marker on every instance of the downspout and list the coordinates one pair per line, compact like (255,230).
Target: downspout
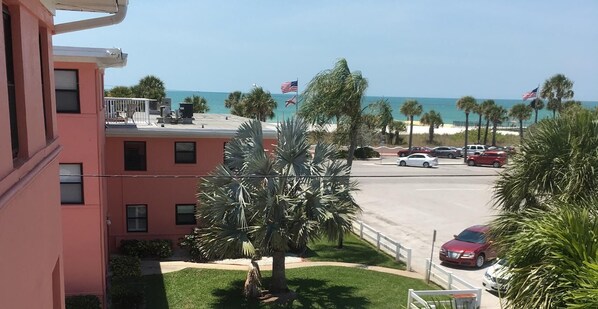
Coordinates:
(85,24)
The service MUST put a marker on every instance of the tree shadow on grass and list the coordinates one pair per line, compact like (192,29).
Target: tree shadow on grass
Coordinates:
(350,253)
(311,293)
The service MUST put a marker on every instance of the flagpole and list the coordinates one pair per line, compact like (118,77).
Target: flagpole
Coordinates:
(297,98)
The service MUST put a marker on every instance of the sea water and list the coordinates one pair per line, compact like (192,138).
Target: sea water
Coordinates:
(446,107)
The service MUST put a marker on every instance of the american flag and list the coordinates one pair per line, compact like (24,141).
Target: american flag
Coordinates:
(290,101)
(288,86)
(531,94)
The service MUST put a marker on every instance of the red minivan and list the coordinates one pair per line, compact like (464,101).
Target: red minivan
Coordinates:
(470,248)
(494,158)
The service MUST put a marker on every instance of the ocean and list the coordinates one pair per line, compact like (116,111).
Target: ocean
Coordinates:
(447,107)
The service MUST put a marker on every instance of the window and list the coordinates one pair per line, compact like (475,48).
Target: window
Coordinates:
(67,91)
(71,183)
(135,159)
(136,218)
(10,76)
(184,152)
(185,214)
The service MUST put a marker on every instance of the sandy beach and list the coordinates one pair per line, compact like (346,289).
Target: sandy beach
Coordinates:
(421,129)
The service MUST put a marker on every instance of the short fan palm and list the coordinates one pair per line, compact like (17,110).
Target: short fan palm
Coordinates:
(263,203)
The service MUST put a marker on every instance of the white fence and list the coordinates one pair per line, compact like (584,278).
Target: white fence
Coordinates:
(125,110)
(461,299)
(447,280)
(383,242)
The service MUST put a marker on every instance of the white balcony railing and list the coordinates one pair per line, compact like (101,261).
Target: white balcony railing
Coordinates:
(127,110)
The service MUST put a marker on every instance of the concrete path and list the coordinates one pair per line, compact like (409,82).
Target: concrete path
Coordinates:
(161,267)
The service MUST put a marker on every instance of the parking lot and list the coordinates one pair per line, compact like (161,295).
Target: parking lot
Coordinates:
(409,203)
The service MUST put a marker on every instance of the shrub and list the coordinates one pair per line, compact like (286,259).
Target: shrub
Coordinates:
(127,295)
(365,153)
(190,243)
(157,248)
(125,268)
(82,302)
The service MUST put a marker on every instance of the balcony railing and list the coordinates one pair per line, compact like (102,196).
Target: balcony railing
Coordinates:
(127,110)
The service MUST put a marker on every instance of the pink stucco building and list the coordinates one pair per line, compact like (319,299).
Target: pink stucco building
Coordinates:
(154,169)
(32,263)
(79,75)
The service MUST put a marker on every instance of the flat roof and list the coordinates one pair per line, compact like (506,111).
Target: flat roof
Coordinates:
(203,125)
(103,57)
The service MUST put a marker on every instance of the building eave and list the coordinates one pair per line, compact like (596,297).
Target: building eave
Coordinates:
(103,57)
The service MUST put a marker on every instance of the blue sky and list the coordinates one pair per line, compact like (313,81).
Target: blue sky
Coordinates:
(488,49)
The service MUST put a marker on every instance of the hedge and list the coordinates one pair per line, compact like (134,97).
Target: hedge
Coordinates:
(156,248)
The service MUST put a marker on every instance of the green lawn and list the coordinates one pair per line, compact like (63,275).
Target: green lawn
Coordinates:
(316,287)
(355,251)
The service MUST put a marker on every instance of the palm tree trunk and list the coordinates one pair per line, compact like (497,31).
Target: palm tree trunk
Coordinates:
(466,129)
(486,133)
(494,134)
(553,113)
(536,119)
(410,133)
(431,133)
(278,284)
(341,236)
(352,142)
(521,130)
(479,128)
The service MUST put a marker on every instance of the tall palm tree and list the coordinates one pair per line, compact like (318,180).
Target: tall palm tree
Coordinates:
(262,203)
(411,108)
(466,104)
(434,120)
(521,112)
(536,104)
(383,112)
(336,94)
(555,89)
(259,104)
(233,102)
(487,106)
(150,87)
(498,115)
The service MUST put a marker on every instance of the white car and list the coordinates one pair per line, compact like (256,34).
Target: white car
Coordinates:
(418,159)
(497,276)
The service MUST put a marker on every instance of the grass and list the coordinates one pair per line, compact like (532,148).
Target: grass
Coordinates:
(355,251)
(316,287)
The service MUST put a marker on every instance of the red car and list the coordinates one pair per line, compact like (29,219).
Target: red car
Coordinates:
(470,248)
(406,152)
(494,158)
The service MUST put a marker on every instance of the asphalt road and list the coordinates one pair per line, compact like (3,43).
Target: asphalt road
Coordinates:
(409,203)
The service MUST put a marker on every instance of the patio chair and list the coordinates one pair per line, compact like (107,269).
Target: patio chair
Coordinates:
(130,112)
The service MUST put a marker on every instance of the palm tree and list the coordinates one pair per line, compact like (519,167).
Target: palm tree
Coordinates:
(557,159)
(466,104)
(557,243)
(120,92)
(411,108)
(395,127)
(233,102)
(555,89)
(200,104)
(487,106)
(336,94)
(150,87)
(537,104)
(498,115)
(383,112)
(547,226)
(434,120)
(258,104)
(261,203)
(521,112)
(571,106)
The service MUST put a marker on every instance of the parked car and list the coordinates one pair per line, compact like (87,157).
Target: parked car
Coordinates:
(497,276)
(490,157)
(407,151)
(418,159)
(470,248)
(475,149)
(446,152)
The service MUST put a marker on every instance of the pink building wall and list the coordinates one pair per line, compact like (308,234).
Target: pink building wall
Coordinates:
(160,194)
(31,262)
(84,225)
